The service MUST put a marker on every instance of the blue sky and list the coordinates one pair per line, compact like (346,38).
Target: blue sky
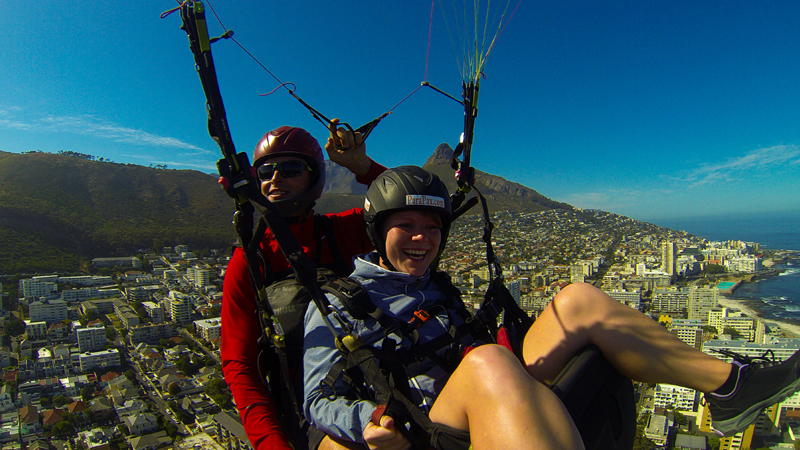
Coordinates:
(648,109)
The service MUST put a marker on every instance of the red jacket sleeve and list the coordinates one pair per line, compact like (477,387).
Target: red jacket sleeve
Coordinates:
(375,169)
(239,351)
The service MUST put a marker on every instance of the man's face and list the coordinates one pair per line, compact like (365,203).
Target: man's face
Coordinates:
(280,188)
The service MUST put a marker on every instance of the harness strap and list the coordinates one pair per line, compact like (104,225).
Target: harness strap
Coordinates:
(399,407)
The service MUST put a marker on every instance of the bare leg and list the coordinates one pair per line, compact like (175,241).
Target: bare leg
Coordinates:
(331,443)
(492,396)
(637,346)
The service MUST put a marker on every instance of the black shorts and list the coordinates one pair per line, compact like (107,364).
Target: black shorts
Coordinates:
(315,437)
(449,438)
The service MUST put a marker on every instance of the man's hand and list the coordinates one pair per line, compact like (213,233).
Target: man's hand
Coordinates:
(347,149)
(385,436)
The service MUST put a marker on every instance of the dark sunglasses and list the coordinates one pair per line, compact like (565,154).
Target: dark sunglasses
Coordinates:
(287,169)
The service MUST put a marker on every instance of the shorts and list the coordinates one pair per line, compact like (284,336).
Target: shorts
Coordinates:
(449,438)
(315,437)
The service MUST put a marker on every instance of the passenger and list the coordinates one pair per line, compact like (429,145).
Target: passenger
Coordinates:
(491,400)
(290,167)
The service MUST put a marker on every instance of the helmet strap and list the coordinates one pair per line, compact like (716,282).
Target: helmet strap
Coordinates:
(385,262)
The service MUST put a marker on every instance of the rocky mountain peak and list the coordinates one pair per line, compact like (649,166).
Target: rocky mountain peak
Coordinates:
(441,156)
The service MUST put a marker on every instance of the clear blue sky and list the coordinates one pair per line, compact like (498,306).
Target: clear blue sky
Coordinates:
(642,108)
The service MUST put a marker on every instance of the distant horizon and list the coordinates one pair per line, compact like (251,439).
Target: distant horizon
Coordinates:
(771,229)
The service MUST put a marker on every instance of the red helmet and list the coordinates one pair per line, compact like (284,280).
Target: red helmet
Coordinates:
(297,142)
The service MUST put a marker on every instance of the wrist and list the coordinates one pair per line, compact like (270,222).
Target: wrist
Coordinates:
(361,168)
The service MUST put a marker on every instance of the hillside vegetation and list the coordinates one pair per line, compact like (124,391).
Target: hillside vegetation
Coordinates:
(57,212)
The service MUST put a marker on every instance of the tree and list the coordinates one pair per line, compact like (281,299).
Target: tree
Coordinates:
(130,375)
(63,428)
(732,331)
(173,388)
(59,400)
(15,327)
(715,269)
(87,393)
(90,316)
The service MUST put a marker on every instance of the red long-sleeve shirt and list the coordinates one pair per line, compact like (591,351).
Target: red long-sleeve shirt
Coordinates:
(241,328)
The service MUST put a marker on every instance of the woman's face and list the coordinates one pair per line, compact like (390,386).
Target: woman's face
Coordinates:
(412,241)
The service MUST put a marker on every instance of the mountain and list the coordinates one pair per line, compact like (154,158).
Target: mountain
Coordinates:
(342,192)
(59,211)
(500,194)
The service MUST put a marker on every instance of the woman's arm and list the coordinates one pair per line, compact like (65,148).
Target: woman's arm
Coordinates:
(342,415)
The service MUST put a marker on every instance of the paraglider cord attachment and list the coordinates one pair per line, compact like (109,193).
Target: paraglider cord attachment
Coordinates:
(225,35)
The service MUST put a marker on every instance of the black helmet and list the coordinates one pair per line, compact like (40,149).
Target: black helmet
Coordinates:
(297,142)
(405,188)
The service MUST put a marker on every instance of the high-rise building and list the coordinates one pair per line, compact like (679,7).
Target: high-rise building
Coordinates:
(701,301)
(49,311)
(515,287)
(39,287)
(180,309)
(689,331)
(91,339)
(669,251)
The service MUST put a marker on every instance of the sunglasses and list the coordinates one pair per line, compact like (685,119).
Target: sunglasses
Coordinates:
(287,169)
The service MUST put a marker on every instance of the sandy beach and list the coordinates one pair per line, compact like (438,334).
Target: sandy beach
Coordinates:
(785,326)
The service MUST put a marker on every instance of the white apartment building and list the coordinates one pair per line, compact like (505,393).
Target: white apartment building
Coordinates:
(87,280)
(36,331)
(747,264)
(667,395)
(154,311)
(38,287)
(199,276)
(669,255)
(208,329)
(91,339)
(515,288)
(151,333)
(689,331)
(670,299)
(128,261)
(721,318)
(102,359)
(49,311)
(629,298)
(782,348)
(80,294)
(180,308)
(701,301)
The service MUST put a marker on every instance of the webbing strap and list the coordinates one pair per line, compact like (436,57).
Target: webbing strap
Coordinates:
(399,407)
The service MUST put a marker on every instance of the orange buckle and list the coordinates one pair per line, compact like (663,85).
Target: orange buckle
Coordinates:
(422,315)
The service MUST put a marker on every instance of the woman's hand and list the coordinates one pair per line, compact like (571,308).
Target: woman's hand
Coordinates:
(385,436)
(347,149)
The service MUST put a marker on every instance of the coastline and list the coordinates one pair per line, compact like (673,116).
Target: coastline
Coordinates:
(787,327)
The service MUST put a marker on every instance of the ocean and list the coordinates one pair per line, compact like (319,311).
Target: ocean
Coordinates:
(776,298)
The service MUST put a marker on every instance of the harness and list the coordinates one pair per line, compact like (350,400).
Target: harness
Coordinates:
(385,384)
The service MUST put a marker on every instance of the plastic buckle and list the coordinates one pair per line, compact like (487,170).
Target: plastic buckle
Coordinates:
(422,315)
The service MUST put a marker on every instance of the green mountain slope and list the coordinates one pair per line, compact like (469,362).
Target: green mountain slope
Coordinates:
(56,210)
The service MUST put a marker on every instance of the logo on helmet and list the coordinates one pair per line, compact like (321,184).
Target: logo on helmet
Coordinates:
(424,200)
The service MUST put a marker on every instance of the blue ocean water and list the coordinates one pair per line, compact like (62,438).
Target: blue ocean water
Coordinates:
(778,297)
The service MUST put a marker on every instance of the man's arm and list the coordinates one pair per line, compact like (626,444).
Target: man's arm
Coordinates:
(349,151)
(240,349)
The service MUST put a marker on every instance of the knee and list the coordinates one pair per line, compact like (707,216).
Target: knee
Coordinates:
(581,300)
(491,362)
